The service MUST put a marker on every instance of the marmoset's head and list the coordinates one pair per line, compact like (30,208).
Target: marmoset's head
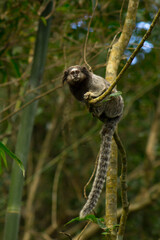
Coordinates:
(75,74)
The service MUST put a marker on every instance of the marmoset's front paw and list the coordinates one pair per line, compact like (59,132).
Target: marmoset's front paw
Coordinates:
(88,95)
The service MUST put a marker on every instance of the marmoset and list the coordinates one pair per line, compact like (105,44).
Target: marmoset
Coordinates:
(85,85)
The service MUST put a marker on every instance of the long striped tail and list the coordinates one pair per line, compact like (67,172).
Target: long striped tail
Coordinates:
(105,149)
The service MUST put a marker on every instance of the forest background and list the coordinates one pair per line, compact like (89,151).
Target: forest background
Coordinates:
(65,138)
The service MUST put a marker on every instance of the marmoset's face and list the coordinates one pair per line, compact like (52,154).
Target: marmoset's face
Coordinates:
(75,75)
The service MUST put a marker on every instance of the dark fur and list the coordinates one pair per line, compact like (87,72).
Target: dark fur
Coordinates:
(79,88)
(65,75)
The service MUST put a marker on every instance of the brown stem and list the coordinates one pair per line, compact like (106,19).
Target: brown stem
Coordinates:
(123,179)
(90,179)
(85,44)
(54,223)
(150,148)
(28,103)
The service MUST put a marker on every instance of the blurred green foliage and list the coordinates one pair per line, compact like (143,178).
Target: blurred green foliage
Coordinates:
(75,135)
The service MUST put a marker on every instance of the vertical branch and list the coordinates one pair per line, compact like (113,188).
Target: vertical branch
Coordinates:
(56,179)
(25,129)
(111,72)
(54,193)
(86,40)
(111,192)
(123,177)
(119,47)
(152,140)
(150,148)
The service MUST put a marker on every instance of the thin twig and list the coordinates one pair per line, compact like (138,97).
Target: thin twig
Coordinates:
(83,230)
(53,8)
(43,6)
(95,167)
(139,94)
(21,98)
(125,203)
(2,136)
(46,237)
(86,40)
(66,234)
(147,34)
(111,45)
(150,148)
(8,107)
(16,81)
(54,194)
(28,103)
(11,82)
(59,156)
(120,15)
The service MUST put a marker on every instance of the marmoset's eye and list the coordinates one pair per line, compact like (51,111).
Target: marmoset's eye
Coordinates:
(75,72)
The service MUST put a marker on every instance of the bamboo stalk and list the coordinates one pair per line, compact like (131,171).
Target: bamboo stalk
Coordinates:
(25,130)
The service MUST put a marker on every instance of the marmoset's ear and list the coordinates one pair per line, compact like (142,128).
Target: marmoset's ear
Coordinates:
(84,69)
(65,75)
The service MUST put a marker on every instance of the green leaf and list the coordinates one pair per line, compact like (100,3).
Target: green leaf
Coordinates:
(101,224)
(44,21)
(73,220)
(91,217)
(3,155)
(15,66)
(13,156)
(116,94)
(64,8)
(116,226)
(105,100)
(0,164)
(99,221)
(107,231)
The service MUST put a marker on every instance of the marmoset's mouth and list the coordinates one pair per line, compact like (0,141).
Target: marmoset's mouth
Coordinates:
(73,81)
(76,79)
